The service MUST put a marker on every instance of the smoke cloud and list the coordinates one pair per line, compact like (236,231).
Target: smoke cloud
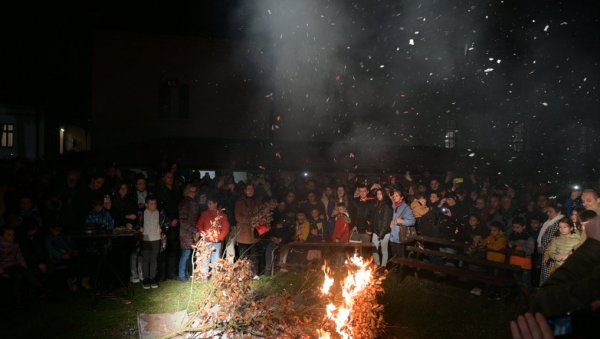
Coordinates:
(404,72)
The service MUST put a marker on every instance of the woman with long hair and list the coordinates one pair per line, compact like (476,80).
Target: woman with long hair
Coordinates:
(380,221)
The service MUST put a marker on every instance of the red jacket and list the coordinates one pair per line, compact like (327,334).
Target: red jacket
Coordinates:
(341,232)
(221,225)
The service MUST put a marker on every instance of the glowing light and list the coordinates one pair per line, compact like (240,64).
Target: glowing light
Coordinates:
(360,276)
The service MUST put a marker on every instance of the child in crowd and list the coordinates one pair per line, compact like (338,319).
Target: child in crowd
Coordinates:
(495,243)
(34,251)
(316,235)
(341,231)
(13,265)
(521,246)
(302,226)
(564,243)
(214,226)
(317,226)
(474,232)
(27,211)
(100,216)
(62,253)
(151,242)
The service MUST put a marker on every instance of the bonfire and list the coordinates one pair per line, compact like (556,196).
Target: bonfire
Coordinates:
(234,309)
(353,310)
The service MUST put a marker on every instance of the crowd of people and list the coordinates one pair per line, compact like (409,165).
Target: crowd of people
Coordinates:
(43,213)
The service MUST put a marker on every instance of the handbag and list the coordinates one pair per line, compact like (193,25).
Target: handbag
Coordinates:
(355,237)
(261,230)
(407,233)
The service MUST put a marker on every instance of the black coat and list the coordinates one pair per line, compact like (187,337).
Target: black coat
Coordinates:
(168,200)
(360,213)
(428,224)
(381,219)
(467,233)
(122,207)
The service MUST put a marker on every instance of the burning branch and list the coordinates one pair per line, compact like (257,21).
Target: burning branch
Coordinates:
(357,314)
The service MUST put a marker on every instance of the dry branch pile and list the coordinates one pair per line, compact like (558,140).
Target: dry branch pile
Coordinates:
(234,310)
(367,320)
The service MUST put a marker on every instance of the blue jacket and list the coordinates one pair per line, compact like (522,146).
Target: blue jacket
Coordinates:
(571,205)
(102,218)
(404,212)
(59,246)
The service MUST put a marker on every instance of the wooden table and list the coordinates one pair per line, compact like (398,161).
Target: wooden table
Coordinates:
(104,241)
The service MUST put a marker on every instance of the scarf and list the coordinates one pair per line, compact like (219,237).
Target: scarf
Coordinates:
(545,226)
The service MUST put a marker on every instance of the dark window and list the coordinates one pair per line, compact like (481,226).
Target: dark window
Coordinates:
(518,137)
(584,137)
(184,101)
(174,99)
(8,136)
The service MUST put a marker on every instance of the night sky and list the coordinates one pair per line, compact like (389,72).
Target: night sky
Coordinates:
(392,72)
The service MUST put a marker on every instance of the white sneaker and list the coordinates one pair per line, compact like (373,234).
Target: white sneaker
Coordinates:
(256,277)
(135,280)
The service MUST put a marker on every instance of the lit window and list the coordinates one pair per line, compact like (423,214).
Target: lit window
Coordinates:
(449,139)
(450,135)
(8,135)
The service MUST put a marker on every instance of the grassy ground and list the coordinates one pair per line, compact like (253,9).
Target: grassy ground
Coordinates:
(430,308)
(414,309)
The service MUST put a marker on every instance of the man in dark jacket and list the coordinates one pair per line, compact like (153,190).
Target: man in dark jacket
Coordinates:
(168,196)
(282,233)
(360,213)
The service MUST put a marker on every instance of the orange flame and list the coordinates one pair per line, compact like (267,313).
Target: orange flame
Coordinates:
(360,275)
(328,280)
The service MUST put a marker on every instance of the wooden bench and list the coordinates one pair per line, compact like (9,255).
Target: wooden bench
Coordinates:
(464,258)
(424,250)
(356,245)
(439,241)
(327,248)
(499,281)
